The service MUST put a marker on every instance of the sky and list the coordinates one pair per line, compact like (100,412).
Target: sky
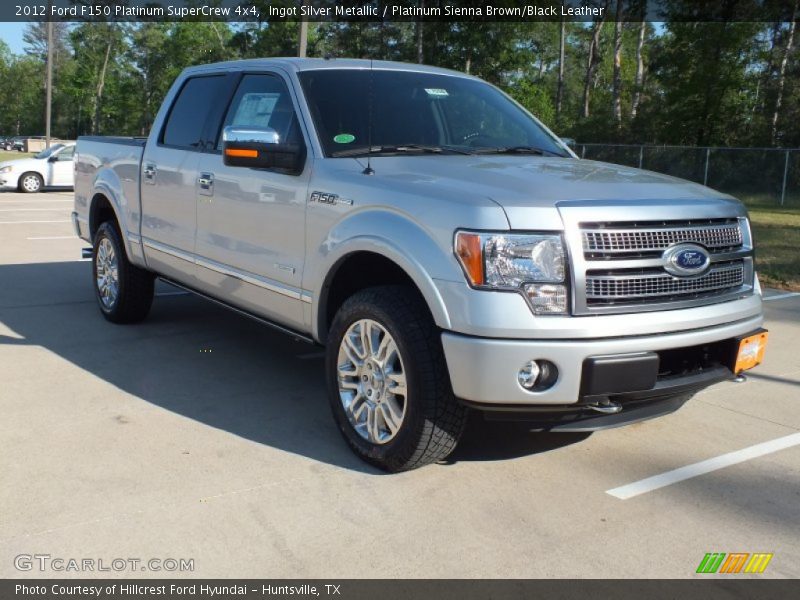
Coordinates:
(11,34)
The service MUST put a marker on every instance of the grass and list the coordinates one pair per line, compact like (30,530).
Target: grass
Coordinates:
(12,155)
(776,232)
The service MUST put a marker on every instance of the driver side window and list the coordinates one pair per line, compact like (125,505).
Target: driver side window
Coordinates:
(66,154)
(263,102)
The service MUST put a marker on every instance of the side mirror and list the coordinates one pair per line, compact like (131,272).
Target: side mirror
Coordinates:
(569,142)
(260,149)
(53,158)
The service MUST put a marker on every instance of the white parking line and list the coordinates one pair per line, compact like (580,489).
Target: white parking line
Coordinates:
(28,209)
(29,200)
(22,222)
(707,466)
(54,237)
(781,296)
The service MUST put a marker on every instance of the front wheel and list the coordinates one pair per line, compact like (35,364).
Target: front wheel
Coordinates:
(124,291)
(30,183)
(388,383)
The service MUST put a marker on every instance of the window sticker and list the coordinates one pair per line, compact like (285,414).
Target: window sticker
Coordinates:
(437,92)
(344,138)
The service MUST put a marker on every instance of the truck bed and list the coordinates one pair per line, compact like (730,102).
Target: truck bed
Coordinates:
(111,165)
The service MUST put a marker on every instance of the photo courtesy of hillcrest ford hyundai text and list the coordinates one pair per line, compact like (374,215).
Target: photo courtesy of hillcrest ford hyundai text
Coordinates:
(446,248)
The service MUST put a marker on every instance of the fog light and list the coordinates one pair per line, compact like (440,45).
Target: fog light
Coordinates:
(528,374)
(537,375)
(547,298)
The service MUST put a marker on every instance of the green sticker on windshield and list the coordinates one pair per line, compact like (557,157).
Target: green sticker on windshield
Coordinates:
(344,138)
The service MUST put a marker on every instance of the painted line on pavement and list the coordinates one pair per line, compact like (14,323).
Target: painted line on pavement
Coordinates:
(780,296)
(24,222)
(701,468)
(29,209)
(29,200)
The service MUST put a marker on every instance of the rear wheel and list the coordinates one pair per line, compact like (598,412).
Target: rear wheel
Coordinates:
(124,291)
(30,183)
(388,383)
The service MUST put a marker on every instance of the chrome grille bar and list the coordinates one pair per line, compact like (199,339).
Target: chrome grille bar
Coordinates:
(652,239)
(605,288)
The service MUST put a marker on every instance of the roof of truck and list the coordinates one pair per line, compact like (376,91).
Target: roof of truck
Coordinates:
(312,64)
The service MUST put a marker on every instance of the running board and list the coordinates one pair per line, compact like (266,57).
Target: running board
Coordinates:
(291,332)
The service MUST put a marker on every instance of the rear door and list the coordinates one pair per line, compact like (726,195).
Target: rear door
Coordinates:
(251,222)
(169,176)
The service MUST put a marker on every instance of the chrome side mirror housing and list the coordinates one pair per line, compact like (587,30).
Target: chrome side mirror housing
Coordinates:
(261,148)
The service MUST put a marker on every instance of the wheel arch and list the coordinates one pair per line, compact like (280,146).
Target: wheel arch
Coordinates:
(101,209)
(385,265)
(107,203)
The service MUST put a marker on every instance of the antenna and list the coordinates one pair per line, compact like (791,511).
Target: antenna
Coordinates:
(369,170)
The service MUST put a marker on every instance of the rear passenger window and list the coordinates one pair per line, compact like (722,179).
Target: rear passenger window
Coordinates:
(261,102)
(187,118)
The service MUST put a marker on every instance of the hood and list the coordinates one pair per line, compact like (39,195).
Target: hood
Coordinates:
(20,164)
(524,185)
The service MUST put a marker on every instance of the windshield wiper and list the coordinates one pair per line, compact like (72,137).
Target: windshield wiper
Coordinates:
(517,150)
(398,149)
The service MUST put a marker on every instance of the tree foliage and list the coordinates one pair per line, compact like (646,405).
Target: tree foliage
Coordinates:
(703,83)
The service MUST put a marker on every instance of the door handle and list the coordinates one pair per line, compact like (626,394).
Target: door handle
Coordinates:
(206,183)
(149,172)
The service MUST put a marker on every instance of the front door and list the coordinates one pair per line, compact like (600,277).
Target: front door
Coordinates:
(251,222)
(61,171)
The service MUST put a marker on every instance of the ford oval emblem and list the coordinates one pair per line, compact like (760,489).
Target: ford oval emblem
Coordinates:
(684,260)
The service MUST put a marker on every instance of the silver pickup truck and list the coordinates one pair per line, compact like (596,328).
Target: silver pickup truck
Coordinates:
(445,247)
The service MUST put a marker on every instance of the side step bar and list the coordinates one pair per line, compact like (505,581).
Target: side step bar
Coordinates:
(86,252)
(291,332)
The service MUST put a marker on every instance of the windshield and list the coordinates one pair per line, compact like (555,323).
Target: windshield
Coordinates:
(412,109)
(49,151)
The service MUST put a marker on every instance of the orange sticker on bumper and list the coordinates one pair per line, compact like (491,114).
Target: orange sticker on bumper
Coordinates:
(751,352)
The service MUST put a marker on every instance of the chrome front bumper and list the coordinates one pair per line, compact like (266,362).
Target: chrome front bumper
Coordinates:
(483,371)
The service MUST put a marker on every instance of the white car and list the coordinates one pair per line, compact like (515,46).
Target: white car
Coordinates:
(50,168)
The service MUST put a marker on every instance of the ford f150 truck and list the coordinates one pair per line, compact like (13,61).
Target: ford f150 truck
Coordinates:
(445,247)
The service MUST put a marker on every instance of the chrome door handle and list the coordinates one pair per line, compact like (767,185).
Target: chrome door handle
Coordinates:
(206,183)
(149,172)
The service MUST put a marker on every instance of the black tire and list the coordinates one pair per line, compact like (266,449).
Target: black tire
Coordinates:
(135,286)
(434,419)
(36,183)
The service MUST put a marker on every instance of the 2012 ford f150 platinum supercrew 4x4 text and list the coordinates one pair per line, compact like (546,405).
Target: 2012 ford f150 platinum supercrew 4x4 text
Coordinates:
(443,245)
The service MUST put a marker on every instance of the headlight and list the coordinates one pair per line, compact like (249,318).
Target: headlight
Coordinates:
(6,169)
(532,264)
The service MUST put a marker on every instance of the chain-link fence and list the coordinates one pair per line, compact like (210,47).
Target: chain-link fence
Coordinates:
(757,176)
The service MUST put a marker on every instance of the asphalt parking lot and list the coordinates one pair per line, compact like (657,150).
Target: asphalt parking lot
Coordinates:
(200,435)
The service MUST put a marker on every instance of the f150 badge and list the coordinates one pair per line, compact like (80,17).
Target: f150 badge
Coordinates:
(325,198)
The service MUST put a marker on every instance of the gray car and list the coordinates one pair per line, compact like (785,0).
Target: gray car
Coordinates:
(444,246)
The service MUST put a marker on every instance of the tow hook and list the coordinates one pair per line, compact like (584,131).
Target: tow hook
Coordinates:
(607,408)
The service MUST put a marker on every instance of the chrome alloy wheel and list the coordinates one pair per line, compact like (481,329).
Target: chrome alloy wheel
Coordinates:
(31,183)
(107,273)
(372,381)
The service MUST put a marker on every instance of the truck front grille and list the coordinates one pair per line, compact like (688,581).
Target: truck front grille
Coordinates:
(618,265)
(601,239)
(604,289)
